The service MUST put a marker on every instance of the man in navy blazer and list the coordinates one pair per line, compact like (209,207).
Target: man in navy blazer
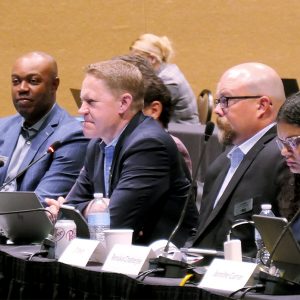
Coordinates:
(25,137)
(146,184)
(248,98)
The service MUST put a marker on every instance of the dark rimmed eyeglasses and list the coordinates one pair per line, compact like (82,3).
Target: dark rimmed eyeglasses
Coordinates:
(223,100)
(290,143)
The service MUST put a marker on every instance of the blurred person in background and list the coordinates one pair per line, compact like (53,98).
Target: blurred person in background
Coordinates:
(157,101)
(158,51)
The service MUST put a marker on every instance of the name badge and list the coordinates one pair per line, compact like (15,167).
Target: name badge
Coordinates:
(243,207)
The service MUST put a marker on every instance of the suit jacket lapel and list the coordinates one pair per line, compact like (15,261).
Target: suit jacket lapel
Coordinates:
(137,119)
(8,142)
(210,215)
(46,131)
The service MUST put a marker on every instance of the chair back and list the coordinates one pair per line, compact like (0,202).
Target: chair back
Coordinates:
(205,104)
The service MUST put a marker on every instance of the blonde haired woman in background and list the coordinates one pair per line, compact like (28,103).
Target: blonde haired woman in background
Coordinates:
(158,51)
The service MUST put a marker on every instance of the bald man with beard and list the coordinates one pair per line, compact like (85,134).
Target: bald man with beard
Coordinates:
(248,98)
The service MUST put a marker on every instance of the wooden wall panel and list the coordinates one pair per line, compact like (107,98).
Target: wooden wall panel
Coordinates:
(208,36)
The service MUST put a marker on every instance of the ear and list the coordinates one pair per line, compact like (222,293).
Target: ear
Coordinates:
(264,105)
(155,63)
(55,83)
(154,109)
(125,102)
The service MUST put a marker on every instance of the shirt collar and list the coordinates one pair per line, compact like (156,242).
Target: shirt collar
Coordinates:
(36,127)
(247,145)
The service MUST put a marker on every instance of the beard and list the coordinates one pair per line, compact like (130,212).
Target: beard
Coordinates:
(226,134)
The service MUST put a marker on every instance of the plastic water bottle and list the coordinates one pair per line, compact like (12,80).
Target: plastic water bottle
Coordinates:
(98,218)
(263,254)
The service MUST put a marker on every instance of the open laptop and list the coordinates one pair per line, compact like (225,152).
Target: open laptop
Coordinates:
(23,227)
(287,254)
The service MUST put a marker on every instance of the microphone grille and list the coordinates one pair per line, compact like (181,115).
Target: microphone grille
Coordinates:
(52,148)
(209,129)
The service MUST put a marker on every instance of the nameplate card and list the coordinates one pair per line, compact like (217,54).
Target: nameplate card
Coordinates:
(227,276)
(128,259)
(80,251)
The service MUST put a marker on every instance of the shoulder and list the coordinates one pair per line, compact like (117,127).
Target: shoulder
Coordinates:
(10,120)
(149,133)
(170,73)
(64,123)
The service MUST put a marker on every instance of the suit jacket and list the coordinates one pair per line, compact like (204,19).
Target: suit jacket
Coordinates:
(55,174)
(148,187)
(258,179)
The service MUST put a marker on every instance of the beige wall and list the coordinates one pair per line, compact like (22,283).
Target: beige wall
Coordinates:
(208,36)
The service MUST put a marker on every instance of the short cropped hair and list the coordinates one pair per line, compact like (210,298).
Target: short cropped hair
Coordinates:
(289,112)
(120,77)
(155,89)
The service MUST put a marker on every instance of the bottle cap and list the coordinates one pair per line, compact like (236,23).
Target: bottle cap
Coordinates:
(266,206)
(98,195)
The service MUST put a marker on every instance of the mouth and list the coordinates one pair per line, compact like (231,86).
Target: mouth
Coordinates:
(24,100)
(87,122)
(290,163)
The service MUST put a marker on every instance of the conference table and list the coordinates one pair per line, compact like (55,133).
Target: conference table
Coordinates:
(43,278)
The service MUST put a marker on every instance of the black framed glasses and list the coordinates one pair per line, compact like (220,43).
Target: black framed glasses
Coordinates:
(290,143)
(223,100)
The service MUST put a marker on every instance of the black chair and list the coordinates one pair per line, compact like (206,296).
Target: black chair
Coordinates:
(290,86)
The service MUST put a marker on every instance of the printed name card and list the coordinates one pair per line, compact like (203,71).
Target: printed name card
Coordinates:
(227,276)
(128,259)
(80,251)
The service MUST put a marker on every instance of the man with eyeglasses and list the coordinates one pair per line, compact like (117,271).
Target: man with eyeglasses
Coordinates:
(249,173)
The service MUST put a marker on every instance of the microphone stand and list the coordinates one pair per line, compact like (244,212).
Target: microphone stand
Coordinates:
(206,137)
(174,268)
(52,148)
(23,171)
(285,229)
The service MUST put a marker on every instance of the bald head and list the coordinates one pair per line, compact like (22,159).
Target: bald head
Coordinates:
(34,85)
(41,59)
(255,79)
(261,94)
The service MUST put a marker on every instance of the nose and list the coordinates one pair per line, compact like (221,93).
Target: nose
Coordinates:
(83,110)
(218,110)
(23,86)
(285,151)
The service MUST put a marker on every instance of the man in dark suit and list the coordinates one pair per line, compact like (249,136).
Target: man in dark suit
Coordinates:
(250,173)
(146,183)
(39,123)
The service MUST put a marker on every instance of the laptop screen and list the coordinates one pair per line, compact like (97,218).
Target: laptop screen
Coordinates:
(270,229)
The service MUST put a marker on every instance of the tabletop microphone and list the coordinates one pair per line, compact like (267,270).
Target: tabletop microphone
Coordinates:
(174,268)
(51,149)
(207,134)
